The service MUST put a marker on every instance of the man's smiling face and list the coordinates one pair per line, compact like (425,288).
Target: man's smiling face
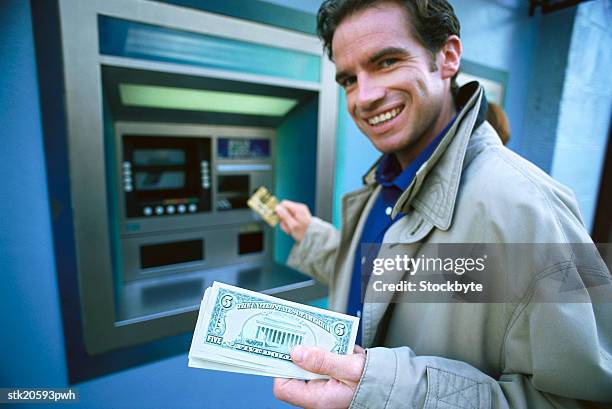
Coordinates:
(395,91)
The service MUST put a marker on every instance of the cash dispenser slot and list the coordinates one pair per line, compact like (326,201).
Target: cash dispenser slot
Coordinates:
(250,242)
(165,254)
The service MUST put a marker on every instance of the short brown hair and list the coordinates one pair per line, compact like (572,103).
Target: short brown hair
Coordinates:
(433,21)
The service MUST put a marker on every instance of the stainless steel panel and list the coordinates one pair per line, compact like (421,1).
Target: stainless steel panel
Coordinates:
(169,296)
(326,142)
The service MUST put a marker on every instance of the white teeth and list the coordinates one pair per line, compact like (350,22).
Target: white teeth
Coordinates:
(385,116)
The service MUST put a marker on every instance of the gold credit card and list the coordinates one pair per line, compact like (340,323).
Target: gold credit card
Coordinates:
(264,204)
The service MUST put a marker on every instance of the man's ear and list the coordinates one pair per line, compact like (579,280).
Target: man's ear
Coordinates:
(450,57)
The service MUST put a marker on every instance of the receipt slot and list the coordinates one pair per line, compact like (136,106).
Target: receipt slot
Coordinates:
(174,116)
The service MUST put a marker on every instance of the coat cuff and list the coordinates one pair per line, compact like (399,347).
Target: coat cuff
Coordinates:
(302,252)
(378,379)
(397,378)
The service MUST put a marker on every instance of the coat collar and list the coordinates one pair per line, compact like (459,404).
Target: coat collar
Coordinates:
(433,190)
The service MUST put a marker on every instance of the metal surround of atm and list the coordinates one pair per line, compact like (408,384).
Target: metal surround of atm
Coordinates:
(112,319)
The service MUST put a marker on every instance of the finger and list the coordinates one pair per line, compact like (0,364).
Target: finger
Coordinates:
(287,389)
(358,350)
(282,212)
(286,218)
(279,382)
(291,207)
(285,228)
(297,392)
(317,360)
(292,224)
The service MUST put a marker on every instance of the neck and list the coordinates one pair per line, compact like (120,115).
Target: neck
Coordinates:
(447,112)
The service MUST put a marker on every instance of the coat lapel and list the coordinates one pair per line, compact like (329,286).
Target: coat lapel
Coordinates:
(428,202)
(354,206)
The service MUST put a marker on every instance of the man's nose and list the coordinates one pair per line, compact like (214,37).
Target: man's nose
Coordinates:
(370,93)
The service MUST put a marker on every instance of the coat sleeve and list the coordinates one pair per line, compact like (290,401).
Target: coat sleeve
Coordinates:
(316,254)
(555,355)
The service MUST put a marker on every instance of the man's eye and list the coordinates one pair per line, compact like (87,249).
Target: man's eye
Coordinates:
(387,62)
(347,82)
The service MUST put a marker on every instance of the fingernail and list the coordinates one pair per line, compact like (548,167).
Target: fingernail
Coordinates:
(297,354)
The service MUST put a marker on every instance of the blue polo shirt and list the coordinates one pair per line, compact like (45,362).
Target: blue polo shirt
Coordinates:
(394,181)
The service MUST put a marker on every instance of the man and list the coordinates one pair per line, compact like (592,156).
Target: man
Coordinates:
(444,177)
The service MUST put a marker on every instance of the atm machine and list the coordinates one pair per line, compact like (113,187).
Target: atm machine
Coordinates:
(174,116)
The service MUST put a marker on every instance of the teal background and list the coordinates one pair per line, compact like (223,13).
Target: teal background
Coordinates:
(296,165)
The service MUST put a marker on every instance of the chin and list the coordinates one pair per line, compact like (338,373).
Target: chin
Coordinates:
(390,144)
(387,148)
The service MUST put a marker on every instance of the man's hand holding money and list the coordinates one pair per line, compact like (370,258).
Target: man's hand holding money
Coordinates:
(345,372)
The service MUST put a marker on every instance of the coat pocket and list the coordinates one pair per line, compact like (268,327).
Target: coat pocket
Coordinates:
(448,390)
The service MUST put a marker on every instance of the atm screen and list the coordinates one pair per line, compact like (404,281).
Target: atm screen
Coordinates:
(160,180)
(159,169)
(166,175)
(151,157)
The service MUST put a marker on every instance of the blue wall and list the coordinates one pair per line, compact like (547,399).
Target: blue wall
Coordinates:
(509,46)
(585,106)
(31,346)
(545,87)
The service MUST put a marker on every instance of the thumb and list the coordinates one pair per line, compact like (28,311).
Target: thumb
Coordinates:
(341,367)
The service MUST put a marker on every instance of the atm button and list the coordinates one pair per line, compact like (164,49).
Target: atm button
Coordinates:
(159,210)
(193,207)
(181,208)
(147,211)
(170,209)
(128,187)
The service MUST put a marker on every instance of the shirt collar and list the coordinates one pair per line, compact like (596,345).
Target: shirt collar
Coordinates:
(389,172)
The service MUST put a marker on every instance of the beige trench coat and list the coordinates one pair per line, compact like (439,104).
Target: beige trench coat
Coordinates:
(465,355)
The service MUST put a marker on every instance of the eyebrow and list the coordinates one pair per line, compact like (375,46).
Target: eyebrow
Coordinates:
(373,58)
(385,52)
